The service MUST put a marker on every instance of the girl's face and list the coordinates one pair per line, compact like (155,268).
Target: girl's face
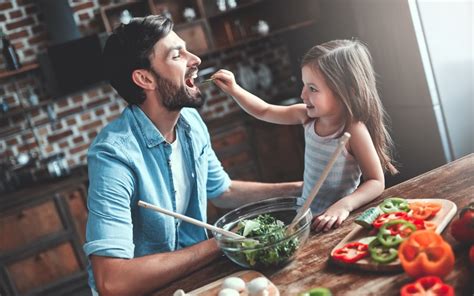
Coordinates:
(319,99)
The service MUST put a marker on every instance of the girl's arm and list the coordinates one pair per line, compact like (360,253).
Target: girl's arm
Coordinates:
(362,148)
(294,114)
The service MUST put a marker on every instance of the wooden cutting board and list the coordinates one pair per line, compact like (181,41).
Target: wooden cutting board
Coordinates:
(442,218)
(213,288)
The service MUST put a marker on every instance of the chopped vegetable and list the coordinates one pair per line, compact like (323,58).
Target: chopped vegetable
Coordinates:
(384,218)
(428,285)
(320,291)
(429,225)
(351,252)
(268,230)
(403,228)
(424,210)
(392,233)
(426,253)
(382,254)
(367,217)
(462,229)
(394,204)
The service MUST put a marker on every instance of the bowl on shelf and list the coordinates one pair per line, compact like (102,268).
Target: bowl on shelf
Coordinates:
(270,250)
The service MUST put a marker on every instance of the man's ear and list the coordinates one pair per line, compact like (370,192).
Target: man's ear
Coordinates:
(143,79)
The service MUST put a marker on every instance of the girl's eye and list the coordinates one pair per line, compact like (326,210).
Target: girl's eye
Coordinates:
(313,89)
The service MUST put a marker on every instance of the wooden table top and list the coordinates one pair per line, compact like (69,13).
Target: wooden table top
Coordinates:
(311,268)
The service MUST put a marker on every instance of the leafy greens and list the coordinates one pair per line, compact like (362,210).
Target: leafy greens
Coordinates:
(269,231)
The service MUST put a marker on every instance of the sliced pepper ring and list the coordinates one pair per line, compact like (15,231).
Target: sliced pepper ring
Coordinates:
(351,252)
(394,232)
(394,204)
(424,210)
(384,218)
(381,254)
(428,285)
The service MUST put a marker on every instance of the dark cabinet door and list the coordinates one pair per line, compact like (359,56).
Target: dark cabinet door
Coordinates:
(279,151)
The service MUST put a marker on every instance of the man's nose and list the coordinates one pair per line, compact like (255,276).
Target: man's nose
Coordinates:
(194,60)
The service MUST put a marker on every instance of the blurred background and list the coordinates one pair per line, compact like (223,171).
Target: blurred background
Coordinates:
(54,101)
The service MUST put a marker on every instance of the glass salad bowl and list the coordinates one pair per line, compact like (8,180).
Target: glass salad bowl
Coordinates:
(264,223)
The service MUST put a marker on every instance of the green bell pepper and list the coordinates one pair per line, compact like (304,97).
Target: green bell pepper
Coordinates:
(393,232)
(394,204)
(381,254)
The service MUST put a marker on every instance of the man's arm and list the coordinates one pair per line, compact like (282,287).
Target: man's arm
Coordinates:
(137,276)
(243,192)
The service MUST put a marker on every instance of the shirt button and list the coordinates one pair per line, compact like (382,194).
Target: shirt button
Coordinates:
(192,175)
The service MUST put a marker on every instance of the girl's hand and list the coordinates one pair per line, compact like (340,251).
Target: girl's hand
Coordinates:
(332,218)
(225,80)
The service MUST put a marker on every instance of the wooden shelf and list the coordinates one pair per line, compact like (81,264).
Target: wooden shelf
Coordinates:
(25,68)
(259,37)
(235,9)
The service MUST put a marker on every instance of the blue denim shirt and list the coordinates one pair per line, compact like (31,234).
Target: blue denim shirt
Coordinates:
(129,161)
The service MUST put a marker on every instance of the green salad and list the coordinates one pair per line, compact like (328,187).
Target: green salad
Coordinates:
(267,230)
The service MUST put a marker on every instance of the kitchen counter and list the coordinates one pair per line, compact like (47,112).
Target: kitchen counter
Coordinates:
(311,268)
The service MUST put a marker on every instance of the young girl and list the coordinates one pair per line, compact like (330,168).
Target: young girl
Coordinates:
(339,95)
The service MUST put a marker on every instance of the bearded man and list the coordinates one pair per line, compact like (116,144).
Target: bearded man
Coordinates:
(158,151)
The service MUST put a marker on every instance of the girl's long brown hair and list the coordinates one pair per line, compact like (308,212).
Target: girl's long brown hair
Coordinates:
(347,67)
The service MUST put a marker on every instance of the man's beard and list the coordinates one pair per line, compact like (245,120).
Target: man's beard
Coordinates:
(175,97)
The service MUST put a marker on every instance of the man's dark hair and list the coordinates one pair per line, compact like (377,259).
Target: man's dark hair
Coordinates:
(129,48)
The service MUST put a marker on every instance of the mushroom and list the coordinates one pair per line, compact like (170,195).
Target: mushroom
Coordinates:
(258,286)
(235,283)
(179,292)
(228,292)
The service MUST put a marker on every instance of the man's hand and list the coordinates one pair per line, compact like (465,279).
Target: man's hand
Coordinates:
(138,276)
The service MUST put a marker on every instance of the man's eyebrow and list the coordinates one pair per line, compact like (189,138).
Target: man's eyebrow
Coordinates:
(175,47)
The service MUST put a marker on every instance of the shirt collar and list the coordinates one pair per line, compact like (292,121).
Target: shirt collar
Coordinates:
(150,133)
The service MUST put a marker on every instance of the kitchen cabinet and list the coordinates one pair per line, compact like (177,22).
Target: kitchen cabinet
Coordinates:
(41,238)
(254,150)
(212,25)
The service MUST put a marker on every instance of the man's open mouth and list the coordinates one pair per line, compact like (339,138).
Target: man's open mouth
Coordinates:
(190,80)
(309,106)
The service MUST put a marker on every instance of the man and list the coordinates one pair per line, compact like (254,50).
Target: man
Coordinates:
(158,151)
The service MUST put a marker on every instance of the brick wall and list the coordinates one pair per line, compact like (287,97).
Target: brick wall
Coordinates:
(80,116)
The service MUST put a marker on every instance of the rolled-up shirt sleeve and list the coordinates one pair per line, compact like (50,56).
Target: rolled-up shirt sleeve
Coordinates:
(109,227)
(218,180)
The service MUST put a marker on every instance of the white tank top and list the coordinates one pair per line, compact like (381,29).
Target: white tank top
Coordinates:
(181,179)
(343,178)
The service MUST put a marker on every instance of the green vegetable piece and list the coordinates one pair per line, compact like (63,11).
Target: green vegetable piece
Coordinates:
(368,217)
(268,230)
(250,225)
(389,239)
(320,291)
(381,254)
(394,204)
(367,240)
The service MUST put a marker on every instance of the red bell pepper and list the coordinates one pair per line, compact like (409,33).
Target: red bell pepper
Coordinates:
(384,218)
(351,252)
(428,285)
(462,229)
(420,224)
(471,255)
